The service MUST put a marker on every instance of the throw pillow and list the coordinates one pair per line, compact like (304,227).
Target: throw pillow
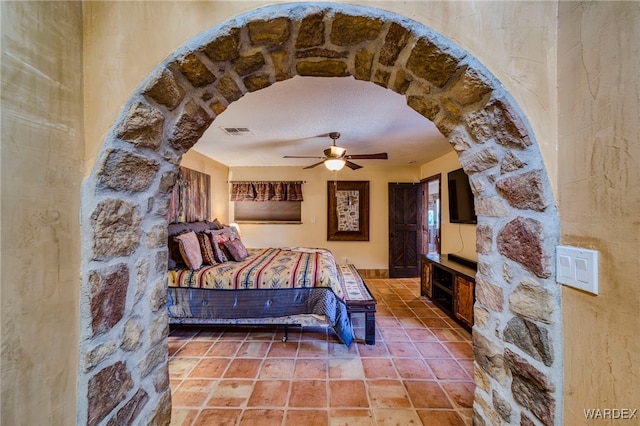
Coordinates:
(217,242)
(237,249)
(208,256)
(190,249)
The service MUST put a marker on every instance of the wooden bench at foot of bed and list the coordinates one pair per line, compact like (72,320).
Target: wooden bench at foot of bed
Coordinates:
(359,300)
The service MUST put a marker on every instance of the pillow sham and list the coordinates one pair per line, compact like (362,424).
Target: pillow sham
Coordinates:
(206,250)
(237,250)
(218,237)
(190,249)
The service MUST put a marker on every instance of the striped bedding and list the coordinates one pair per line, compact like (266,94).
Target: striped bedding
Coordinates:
(269,283)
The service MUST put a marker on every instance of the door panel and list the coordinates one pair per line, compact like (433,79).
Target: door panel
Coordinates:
(405,229)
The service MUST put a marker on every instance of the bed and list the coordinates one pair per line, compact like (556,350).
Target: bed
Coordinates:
(291,286)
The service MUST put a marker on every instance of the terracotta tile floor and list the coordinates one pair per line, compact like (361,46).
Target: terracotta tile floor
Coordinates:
(420,371)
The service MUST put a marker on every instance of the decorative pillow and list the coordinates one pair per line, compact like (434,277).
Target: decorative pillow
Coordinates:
(190,249)
(208,256)
(237,249)
(218,237)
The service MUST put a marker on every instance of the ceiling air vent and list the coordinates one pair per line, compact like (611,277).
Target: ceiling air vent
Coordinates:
(236,131)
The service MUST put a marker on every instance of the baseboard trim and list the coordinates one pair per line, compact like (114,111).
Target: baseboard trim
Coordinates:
(374,273)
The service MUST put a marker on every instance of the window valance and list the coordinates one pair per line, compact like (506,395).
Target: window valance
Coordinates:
(266,191)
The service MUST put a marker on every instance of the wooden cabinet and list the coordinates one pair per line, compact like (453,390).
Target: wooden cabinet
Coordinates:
(464,299)
(425,279)
(449,281)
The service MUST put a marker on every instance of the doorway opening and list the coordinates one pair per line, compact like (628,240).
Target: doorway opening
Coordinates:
(123,318)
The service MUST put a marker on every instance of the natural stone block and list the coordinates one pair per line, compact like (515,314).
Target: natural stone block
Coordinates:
(498,121)
(510,163)
(523,191)
(168,181)
(245,65)
(381,78)
(128,414)
(229,89)
(281,65)
(502,406)
(470,88)
(478,420)
(491,207)
(165,90)
(116,228)
(191,124)
(446,124)
(401,82)
(98,354)
(350,30)
(395,40)
(531,388)
(142,274)
(158,296)
(196,72)
(107,389)
(311,32)
(526,421)
(424,106)
(428,61)
(484,239)
(521,241)
(272,33)
(532,301)
(125,171)
(478,161)
(489,295)
(155,357)
(459,141)
(322,53)
(327,68)
(157,237)
(489,357)
(257,82)
(131,335)
(142,126)
(161,260)
(161,379)
(108,297)
(450,106)
(159,330)
(487,409)
(217,107)
(507,272)
(480,316)
(530,338)
(162,414)
(363,64)
(481,379)
(224,48)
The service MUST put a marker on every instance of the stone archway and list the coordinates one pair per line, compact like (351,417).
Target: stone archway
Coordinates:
(123,373)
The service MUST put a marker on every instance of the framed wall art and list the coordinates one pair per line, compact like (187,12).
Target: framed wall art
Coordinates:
(348,210)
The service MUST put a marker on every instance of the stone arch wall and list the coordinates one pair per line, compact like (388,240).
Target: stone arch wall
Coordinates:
(123,375)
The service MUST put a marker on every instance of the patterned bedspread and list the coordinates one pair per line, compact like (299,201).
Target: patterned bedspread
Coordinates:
(269,268)
(269,283)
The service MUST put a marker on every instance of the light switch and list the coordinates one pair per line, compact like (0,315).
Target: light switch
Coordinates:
(577,267)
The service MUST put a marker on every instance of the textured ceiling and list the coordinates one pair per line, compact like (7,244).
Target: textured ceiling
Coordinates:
(293,117)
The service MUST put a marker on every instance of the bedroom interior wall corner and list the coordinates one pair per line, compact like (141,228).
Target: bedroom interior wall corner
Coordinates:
(124,323)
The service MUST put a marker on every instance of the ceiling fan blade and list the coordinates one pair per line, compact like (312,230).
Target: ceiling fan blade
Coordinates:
(314,165)
(352,166)
(295,156)
(380,156)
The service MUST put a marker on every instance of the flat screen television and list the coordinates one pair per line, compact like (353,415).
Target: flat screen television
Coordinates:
(461,207)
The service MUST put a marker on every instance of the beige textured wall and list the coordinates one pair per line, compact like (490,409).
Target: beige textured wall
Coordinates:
(456,238)
(372,254)
(42,153)
(599,151)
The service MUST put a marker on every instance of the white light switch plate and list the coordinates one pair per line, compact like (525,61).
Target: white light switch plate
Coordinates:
(577,267)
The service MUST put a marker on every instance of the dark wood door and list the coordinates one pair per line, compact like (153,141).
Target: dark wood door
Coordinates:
(405,229)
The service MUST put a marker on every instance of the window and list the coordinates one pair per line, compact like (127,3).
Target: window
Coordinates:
(267,201)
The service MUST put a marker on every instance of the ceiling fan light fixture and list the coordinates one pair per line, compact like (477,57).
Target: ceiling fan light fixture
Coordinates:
(334,164)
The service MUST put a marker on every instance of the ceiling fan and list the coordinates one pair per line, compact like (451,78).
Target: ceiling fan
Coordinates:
(335,157)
